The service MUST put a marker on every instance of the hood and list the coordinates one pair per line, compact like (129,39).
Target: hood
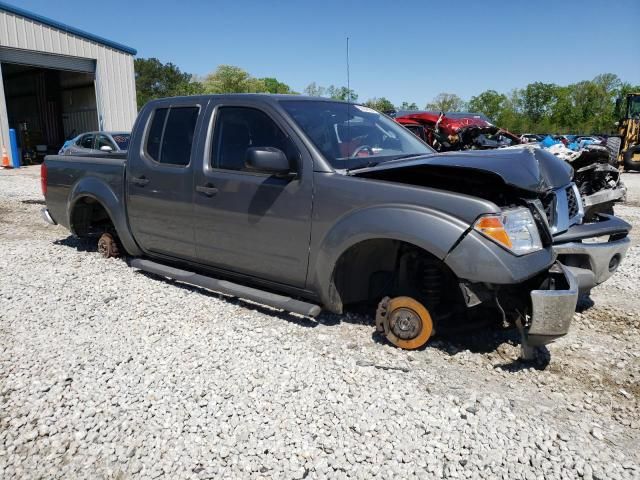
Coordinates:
(527,168)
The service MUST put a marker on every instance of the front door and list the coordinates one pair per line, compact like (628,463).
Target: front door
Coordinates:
(249,221)
(84,145)
(160,182)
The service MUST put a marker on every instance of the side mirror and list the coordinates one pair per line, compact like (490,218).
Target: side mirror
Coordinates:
(106,148)
(267,159)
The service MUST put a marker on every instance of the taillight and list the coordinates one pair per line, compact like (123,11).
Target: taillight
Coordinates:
(43,178)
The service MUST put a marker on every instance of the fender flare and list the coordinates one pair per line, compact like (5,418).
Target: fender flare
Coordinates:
(102,193)
(428,229)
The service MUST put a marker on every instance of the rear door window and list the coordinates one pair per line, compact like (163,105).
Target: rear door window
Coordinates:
(171,135)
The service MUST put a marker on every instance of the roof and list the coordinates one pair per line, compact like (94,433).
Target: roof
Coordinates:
(66,28)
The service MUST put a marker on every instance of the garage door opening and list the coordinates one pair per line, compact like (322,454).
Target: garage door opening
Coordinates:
(46,107)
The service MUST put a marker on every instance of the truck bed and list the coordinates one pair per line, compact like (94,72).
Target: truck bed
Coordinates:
(68,176)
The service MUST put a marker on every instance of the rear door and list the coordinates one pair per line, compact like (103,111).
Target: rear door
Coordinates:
(160,180)
(253,222)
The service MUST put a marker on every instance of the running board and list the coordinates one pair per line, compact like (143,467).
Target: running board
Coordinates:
(228,288)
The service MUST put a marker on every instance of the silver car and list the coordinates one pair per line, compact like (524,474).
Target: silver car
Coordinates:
(96,142)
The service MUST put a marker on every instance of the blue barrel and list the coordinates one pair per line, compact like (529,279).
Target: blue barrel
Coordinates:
(13,140)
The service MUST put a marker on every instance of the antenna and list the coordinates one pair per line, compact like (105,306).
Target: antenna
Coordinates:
(348,96)
(348,78)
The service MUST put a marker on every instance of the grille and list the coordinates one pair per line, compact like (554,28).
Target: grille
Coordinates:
(549,207)
(572,202)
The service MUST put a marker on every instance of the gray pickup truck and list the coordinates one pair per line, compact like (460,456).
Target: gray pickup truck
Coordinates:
(306,204)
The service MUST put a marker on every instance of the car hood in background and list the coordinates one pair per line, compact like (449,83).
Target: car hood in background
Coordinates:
(526,168)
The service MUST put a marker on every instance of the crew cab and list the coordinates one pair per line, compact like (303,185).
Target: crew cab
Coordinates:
(306,204)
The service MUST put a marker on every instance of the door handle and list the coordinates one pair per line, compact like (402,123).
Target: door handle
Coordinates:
(209,190)
(141,181)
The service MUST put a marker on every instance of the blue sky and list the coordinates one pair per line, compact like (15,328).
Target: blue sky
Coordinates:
(402,50)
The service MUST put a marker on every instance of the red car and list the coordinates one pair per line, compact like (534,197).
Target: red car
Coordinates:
(456,131)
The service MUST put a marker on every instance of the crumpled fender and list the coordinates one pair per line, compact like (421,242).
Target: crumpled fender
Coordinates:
(100,191)
(431,230)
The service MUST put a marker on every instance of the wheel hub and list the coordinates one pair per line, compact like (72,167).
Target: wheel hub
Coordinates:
(107,246)
(404,321)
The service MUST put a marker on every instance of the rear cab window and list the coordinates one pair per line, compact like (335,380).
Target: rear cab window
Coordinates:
(170,135)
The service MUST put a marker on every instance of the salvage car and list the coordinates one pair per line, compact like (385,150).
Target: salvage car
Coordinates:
(456,131)
(96,142)
(306,204)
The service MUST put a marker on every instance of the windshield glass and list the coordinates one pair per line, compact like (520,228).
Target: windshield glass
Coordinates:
(352,136)
(634,106)
(122,139)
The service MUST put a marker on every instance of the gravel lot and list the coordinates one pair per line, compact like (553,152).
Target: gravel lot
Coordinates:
(106,372)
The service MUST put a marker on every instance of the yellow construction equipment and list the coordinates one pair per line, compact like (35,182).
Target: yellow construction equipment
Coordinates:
(625,148)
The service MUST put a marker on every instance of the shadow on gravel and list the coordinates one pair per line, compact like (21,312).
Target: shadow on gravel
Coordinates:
(289,317)
(80,244)
(499,343)
(584,303)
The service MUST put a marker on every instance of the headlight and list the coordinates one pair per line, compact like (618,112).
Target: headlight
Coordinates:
(514,229)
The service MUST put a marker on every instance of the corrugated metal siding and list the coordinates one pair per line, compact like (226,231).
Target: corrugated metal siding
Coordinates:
(77,122)
(115,81)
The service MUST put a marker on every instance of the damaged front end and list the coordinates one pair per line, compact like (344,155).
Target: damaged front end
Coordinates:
(552,306)
(541,308)
(599,182)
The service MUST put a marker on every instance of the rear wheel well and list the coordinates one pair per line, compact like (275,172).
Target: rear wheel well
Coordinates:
(90,217)
(370,270)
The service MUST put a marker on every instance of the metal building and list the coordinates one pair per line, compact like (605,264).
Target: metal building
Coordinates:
(58,81)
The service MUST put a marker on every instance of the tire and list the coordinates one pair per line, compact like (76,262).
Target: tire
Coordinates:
(629,163)
(613,145)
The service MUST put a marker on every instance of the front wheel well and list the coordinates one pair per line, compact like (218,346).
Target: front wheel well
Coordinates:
(90,217)
(372,269)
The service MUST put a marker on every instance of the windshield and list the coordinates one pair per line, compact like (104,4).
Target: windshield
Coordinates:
(352,136)
(634,106)
(122,139)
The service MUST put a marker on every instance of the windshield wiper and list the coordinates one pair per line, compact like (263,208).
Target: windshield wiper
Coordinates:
(404,157)
(360,167)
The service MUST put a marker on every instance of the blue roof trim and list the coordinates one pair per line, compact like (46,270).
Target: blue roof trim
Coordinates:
(66,28)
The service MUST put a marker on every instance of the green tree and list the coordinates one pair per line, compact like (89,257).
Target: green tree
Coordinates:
(272,85)
(381,104)
(229,79)
(489,102)
(341,93)
(155,79)
(337,93)
(408,106)
(446,102)
(314,90)
(538,100)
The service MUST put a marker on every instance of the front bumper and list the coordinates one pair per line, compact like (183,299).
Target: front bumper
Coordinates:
(46,216)
(593,263)
(553,307)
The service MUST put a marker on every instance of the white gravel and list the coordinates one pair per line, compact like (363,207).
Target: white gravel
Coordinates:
(106,372)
